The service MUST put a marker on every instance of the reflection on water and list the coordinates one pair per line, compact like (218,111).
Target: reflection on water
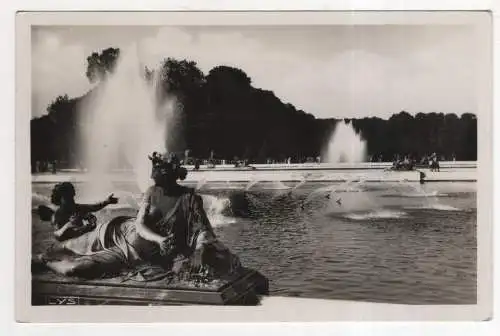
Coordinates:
(376,242)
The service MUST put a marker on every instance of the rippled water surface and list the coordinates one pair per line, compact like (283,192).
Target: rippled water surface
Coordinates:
(383,242)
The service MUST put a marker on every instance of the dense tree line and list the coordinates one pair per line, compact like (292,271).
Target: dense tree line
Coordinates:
(222,112)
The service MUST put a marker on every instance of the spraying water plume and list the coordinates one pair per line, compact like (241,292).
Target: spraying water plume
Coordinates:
(345,145)
(124,122)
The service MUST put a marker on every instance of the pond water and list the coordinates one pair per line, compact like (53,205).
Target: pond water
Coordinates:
(378,242)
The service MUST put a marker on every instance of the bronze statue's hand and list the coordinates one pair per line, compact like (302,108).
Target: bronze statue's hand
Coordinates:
(112,199)
(91,225)
(86,228)
(165,243)
(91,220)
(197,260)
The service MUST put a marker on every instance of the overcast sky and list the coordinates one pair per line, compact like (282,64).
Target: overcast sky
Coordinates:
(328,71)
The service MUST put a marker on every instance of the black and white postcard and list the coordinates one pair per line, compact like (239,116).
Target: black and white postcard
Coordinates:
(253,166)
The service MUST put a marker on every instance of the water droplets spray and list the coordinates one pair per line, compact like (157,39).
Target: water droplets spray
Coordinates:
(345,145)
(124,122)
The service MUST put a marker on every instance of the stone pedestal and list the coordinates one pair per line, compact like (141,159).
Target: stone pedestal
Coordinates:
(242,289)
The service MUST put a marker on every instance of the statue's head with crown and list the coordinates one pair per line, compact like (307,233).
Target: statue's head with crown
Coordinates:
(166,168)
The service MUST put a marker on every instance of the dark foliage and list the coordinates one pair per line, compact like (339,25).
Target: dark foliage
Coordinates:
(224,113)
(100,65)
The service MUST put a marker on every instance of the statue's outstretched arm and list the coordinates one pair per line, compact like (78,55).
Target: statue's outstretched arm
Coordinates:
(92,207)
(98,206)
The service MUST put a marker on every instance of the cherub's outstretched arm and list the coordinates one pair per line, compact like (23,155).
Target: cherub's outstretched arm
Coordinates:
(97,206)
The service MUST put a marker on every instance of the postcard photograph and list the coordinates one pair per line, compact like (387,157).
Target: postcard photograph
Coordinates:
(233,164)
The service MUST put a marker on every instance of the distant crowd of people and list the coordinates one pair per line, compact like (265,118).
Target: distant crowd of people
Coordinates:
(399,162)
(409,163)
(244,163)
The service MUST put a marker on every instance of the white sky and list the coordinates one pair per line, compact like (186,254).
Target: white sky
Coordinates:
(328,71)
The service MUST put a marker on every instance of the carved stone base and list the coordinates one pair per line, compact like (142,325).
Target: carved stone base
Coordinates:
(243,289)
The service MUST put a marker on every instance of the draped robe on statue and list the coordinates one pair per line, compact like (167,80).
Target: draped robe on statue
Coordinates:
(115,246)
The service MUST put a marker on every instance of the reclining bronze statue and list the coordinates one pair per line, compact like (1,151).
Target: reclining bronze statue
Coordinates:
(170,238)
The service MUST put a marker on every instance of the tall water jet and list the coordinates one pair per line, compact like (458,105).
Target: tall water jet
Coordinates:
(345,145)
(124,123)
